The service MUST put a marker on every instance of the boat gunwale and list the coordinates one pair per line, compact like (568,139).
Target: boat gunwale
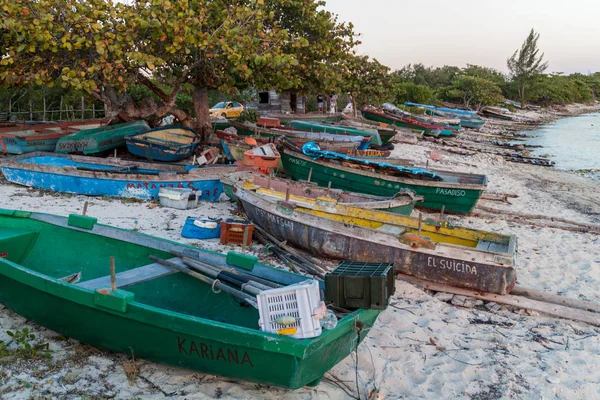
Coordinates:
(299,348)
(182,174)
(411,181)
(369,201)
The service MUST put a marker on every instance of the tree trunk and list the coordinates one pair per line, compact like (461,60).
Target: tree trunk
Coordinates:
(201,107)
(522,95)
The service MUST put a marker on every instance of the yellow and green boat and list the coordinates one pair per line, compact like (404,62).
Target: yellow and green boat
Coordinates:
(438,252)
(156,312)
(402,203)
(456,192)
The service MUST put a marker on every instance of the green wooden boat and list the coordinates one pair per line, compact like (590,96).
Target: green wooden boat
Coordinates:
(219,124)
(92,141)
(156,312)
(341,130)
(456,192)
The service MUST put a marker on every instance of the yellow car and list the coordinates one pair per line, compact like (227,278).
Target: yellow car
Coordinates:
(228,109)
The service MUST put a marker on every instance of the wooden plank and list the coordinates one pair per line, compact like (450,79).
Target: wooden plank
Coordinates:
(552,298)
(483,245)
(497,247)
(134,276)
(555,310)
(393,229)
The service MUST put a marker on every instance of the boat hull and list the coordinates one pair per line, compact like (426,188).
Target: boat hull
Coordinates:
(402,204)
(23,145)
(339,130)
(63,177)
(342,241)
(172,147)
(457,198)
(92,141)
(27,139)
(426,128)
(171,337)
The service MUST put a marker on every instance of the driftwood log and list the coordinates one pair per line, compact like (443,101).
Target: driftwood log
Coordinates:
(553,309)
(519,217)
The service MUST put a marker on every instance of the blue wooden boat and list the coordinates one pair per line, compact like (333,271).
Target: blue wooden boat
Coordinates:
(23,139)
(111,177)
(168,143)
(468,119)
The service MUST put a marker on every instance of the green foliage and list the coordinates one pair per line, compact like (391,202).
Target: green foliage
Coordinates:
(486,73)
(103,47)
(248,115)
(368,81)
(435,78)
(556,89)
(473,91)
(408,91)
(526,64)
(24,346)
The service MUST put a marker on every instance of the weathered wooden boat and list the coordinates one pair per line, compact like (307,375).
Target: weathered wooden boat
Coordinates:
(402,203)
(442,110)
(456,192)
(406,122)
(495,112)
(265,156)
(377,139)
(156,312)
(300,136)
(471,122)
(92,141)
(169,143)
(111,177)
(316,117)
(488,266)
(219,123)
(21,139)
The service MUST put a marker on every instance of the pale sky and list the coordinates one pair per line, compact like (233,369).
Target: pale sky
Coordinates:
(484,32)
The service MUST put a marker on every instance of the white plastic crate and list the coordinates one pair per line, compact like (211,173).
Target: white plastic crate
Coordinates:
(181,199)
(301,301)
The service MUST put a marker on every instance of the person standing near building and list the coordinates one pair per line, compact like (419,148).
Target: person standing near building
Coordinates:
(333,103)
(321,103)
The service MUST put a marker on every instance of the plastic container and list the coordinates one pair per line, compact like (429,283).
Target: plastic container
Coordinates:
(201,228)
(354,285)
(301,302)
(182,199)
(232,231)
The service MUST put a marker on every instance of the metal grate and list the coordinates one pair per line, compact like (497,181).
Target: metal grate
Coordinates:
(353,268)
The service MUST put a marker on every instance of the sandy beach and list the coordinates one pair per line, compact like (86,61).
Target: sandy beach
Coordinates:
(427,345)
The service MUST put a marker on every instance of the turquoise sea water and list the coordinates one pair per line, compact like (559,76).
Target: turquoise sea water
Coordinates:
(572,143)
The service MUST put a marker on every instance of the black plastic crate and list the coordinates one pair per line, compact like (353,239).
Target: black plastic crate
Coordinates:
(354,285)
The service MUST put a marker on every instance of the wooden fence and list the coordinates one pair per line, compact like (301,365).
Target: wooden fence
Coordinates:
(63,113)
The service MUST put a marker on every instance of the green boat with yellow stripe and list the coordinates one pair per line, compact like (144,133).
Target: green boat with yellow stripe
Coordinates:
(455,192)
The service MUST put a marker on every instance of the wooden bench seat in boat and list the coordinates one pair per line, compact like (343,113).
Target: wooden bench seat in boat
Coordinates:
(393,229)
(494,247)
(134,276)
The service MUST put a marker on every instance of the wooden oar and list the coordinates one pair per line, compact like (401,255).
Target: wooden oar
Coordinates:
(266,282)
(226,273)
(223,275)
(214,283)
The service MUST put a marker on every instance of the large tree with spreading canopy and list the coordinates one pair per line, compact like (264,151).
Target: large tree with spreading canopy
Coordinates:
(102,47)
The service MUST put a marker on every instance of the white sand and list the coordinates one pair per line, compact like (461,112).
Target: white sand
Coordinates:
(426,346)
